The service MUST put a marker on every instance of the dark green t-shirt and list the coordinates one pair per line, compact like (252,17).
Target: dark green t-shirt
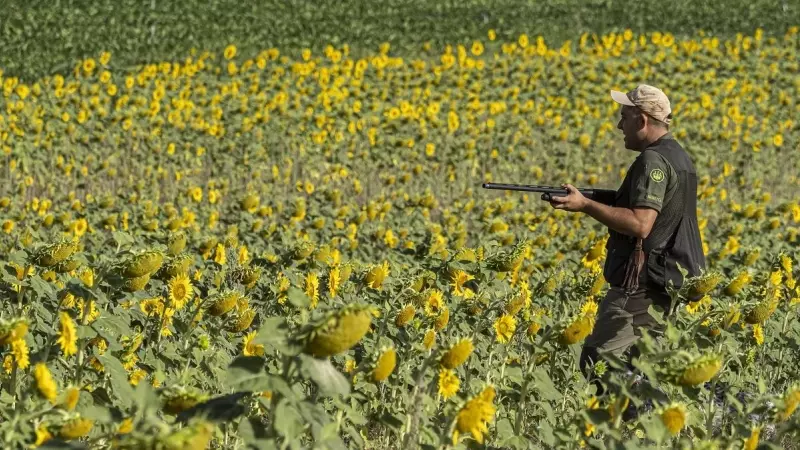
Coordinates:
(653,181)
(650,182)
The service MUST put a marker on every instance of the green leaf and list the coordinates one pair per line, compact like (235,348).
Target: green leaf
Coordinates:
(42,288)
(247,373)
(297,297)
(544,385)
(119,378)
(329,380)
(122,239)
(97,413)
(545,432)
(250,430)
(288,421)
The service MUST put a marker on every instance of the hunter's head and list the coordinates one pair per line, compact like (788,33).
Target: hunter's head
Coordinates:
(645,115)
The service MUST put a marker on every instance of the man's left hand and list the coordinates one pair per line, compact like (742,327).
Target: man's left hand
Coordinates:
(574,201)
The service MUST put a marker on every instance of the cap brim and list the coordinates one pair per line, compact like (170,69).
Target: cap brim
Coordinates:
(621,98)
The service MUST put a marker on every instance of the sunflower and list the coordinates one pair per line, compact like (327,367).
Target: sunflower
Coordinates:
(385,365)
(45,383)
(251,349)
(434,302)
(577,330)
(71,397)
(180,291)
(312,288)
(429,339)
(334,280)
(751,443)
(700,370)
(376,275)
(405,315)
(448,383)
(674,418)
(790,402)
(339,332)
(475,416)
(67,336)
(459,277)
(76,428)
(442,320)
(504,328)
(457,354)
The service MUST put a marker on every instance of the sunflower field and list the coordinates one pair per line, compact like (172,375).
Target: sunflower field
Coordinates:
(290,249)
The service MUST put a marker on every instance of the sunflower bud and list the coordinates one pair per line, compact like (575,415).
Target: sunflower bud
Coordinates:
(135,284)
(339,332)
(243,321)
(404,316)
(176,244)
(702,285)
(53,254)
(700,370)
(457,354)
(224,303)
(142,264)
(180,400)
(76,428)
(385,365)
(68,265)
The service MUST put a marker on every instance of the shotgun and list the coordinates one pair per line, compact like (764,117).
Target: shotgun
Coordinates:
(606,196)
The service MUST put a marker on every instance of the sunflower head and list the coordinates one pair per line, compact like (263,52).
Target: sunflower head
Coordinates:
(180,290)
(176,243)
(135,284)
(700,370)
(12,330)
(762,311)
(339,331)
(699,286)
(738,283)
(385,365)
(674,418)
(302,250)
(177,265)
(789,403)
(179,399)
(52,254)
(457,354)
(67,265)
(405,315)
(142,264)
(75,428)
(577,330)
(243,320)
(442,320)
(376,275)
(475,416)
(224,302)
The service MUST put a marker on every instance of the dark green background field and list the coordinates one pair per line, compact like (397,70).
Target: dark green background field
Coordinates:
(41,37)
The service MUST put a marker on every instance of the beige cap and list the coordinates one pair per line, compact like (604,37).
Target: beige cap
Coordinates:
(651,100)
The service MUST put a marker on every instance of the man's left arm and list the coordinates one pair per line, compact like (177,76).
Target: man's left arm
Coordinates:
(649,180)
(636,222)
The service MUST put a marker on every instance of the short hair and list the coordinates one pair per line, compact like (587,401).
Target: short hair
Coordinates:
(659,123)
(653,120)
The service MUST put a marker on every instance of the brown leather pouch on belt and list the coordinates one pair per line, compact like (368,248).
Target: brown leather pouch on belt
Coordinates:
(633,268)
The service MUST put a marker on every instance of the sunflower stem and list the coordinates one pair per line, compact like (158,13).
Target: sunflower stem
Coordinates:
(413,423)
(524,394)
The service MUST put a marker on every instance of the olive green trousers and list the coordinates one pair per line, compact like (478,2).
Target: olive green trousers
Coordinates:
(621,318)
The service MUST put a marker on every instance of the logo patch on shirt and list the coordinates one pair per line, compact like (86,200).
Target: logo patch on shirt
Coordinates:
(657,175)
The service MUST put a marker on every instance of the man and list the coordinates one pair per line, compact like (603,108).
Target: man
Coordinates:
(652,226)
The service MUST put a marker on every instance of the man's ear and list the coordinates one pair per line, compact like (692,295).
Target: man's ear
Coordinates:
(641,120)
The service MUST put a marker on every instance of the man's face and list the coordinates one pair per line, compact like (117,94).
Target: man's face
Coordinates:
(632,124)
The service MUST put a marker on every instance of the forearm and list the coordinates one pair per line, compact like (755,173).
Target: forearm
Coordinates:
(619,219)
